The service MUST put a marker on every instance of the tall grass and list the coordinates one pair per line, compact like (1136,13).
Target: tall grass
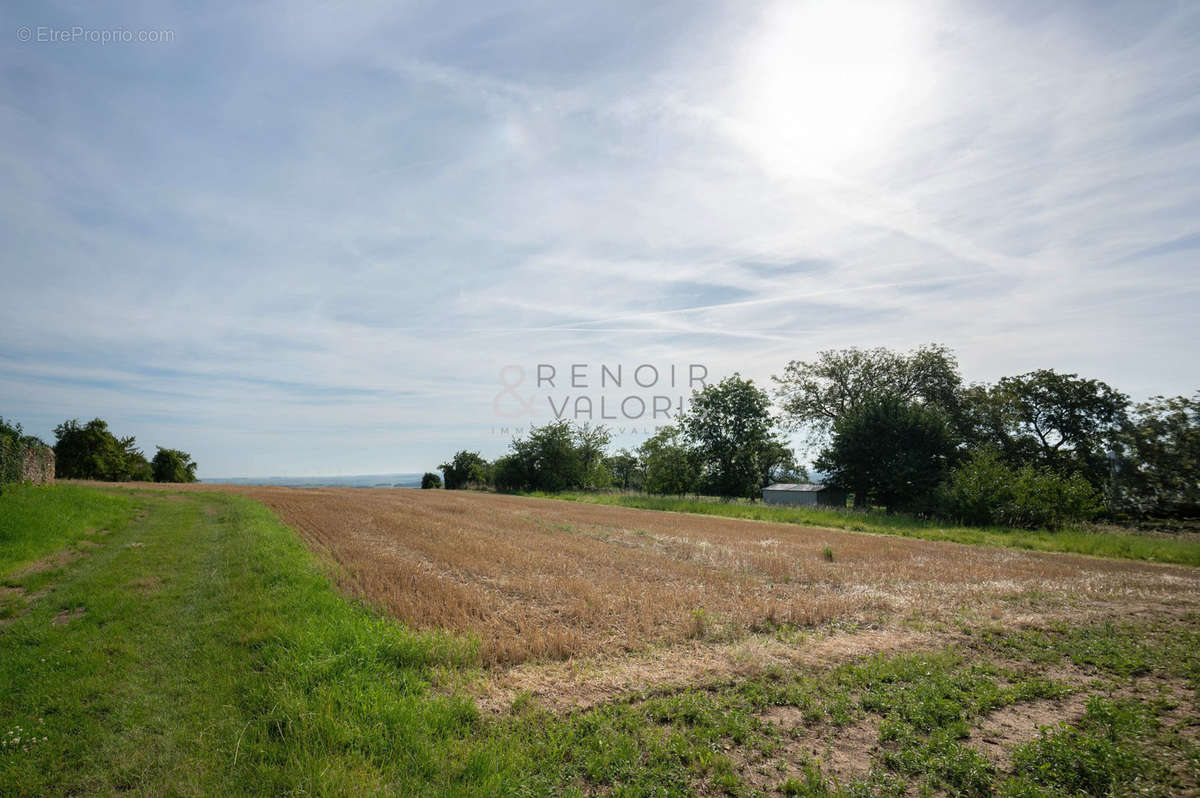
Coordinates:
(1112,544)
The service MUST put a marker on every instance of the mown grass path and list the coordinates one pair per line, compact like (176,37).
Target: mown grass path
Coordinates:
(198,651)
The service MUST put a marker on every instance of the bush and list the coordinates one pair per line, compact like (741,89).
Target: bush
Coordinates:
(464,470)
(90,451)
(430,481)
(172,465)
(556,457)
(986,491)
(509,473)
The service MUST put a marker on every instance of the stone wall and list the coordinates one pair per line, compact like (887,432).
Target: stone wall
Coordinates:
(37,465)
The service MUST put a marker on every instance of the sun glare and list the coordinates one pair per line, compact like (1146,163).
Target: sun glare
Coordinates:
(825,84)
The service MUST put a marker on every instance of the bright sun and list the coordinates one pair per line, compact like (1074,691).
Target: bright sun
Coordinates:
(826,83)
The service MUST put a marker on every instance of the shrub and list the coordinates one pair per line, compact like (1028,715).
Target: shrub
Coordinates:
(91,451)
(984,490)
(172,465)
(464,470)
(430,480)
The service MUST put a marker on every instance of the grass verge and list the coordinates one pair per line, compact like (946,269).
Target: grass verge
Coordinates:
(36,520)
(1114,545)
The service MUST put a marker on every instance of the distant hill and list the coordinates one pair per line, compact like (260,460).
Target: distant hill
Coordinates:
(354,481)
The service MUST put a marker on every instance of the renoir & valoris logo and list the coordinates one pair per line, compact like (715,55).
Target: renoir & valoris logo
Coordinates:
(598,392)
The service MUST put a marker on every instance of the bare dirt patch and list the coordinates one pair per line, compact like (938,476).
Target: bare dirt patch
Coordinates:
(585,682)
(66,616)
(145,586)
(846,753)
(1016,724)
(48,563)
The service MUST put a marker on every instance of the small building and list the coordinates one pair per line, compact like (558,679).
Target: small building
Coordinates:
(809,495)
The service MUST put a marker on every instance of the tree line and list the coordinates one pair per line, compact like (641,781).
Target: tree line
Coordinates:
(726,444)
(897,430)
(92,451)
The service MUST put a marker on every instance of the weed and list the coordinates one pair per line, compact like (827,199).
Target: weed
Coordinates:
(1101,756)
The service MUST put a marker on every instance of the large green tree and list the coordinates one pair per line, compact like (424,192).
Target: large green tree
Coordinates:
(889,451)
(816,394)
(1049,420)
(626,470)
(509,472)
(91,451)
(730,427)
(671,466)
(1158,460)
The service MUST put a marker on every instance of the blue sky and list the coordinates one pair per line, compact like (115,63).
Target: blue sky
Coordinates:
(304,239)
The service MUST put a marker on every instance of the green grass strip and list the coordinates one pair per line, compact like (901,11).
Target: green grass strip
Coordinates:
(1111,544)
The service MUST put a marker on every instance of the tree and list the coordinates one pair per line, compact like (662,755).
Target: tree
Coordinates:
(817,394)
(90,451)
(671,466)
(889,451)
(173,465)
(1049,420)
(590,442)
(556,457)
(140,469)
(464,470)
(551,461)
(626,469)
(509,473)
(1158,460)
(729,425)
(430,480)
(779,464)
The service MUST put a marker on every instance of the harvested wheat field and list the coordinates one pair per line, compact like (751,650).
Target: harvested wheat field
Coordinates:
(539,581)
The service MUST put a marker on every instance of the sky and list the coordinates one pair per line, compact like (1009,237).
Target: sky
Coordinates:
(341,238)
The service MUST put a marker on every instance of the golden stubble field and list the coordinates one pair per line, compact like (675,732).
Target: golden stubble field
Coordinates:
(576,602)
(544,581)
